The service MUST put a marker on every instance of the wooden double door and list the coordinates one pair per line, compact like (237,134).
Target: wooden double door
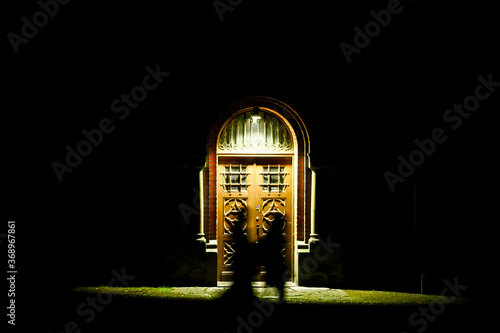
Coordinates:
(260,188)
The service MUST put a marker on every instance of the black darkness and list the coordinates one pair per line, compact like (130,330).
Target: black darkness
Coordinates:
(119,207)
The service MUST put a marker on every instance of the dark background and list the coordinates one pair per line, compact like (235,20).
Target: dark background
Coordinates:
(119,207)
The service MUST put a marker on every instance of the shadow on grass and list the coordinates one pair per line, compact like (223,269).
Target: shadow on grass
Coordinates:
(94,312)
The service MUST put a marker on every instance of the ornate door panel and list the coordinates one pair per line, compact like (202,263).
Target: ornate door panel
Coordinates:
(256,189)
(232,204)
(230,221)
(274,195)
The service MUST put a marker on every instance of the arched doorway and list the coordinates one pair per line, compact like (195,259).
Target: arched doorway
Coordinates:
(257,161)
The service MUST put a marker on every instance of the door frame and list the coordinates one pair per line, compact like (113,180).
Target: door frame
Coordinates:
(303,198)
(294,156)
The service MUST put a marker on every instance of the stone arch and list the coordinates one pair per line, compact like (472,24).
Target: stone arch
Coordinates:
(304,206)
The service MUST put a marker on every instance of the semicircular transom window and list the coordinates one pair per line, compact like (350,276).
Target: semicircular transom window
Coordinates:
(255,133)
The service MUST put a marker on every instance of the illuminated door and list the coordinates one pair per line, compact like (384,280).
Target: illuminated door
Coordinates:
(259,186)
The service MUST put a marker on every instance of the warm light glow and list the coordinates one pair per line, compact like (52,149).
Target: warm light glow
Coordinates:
(255,114)
(255,132)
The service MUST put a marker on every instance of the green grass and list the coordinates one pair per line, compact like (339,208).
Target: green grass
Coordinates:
(355,297)
(130,291)
(152,292)
(392,298)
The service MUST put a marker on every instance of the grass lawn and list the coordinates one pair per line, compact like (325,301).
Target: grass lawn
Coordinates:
(294,295)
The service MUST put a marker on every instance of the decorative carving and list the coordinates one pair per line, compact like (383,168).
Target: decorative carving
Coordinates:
(232,207)
(270,206)
(229,252)
(243,134)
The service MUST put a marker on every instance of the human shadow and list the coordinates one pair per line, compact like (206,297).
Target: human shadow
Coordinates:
(239,302)
(239,298)
(272,253)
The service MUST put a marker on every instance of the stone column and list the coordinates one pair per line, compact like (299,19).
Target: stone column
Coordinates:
(201,235)
(313,238)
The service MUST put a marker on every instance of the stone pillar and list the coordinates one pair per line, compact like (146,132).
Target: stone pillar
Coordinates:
(313,238)
(201,235)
